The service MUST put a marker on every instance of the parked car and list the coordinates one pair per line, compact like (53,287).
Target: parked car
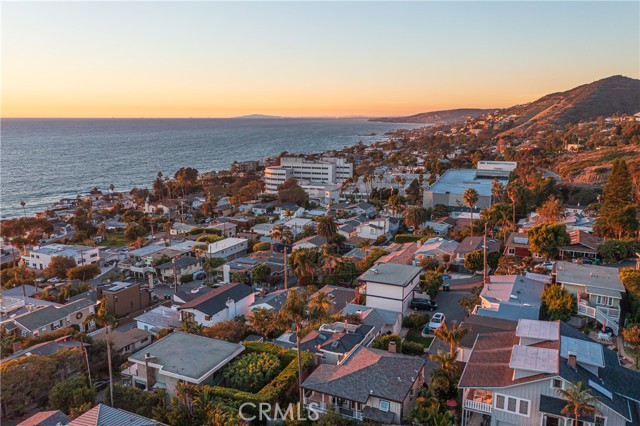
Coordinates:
(548,265)
(436,321)
(201,275)
(54,280)
(423,304)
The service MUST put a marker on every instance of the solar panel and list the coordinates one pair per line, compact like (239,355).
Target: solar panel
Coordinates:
(586,352)
(529,358)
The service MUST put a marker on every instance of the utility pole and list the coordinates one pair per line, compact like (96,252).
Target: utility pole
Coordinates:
(286,268)
(86,357)
(175,276)
(484,263)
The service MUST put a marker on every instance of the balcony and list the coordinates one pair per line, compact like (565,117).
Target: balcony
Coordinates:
(318,405)
(604,315)
(478,400)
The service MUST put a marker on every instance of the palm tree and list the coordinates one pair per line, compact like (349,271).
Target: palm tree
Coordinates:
(447,361)
(496,190)
(281,233)
(513,192)
(579,401)
(327,227)
(470,198)
(329,258)
(24,213)
(112,187)
(102,230)
(321,304)
(103,318)
(451,336)
(415,217)
(295,311)
(302,263)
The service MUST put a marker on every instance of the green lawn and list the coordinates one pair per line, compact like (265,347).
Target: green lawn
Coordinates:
(115,239)
(415,335)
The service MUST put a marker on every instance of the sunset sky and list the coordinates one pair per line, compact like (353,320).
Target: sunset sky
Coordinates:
(215,59)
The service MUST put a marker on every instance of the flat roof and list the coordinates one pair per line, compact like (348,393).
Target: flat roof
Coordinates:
(589,275)
(184,355)
(456,181)
(226,243)
(391,273)
(534,329)
(531,358)
(586,352)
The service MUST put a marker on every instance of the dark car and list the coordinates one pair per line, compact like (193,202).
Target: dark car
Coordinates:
(423,304)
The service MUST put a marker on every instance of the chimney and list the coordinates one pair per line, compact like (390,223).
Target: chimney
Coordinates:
(231,305)
(263,292)
(571,360)
(392,347)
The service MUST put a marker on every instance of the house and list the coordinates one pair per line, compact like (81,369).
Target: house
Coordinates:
(40,257)
(263,229)
(227,229)
(518,245)
(439,227)
(349,228)
(229,248)
(359,209)
(124,298)
(181,358)
(372,384)
(159,318)
(179,228)
(511,297)
(390,286)
(470,244)
(272,301)
(103,415)
(47,348)
(582,245)
(374,229)
(47,418)
(598,289)
(513,378)
(381,320)
(51,318)
(223,303)
(181,297)
(182,266)
(477,324)
(402,254)
(437,248)
(298,225)
(313,241)
(125,342)
(340,296)
(335,343)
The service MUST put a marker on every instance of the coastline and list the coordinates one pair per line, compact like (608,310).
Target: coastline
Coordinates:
(367,137)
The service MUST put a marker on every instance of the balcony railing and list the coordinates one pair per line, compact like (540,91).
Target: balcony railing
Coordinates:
(320,406)
(478,400)
(606,316)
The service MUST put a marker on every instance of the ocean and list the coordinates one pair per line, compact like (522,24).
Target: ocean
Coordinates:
(43,160)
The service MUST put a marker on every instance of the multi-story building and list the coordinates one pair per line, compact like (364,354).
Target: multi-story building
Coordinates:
(40,257)
(390,286)
(513,377)
(328,170)
(598,289)
(450,187)
(229,248)
(124,298)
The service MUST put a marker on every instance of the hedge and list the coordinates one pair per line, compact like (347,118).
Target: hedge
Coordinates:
(407,238)
(412,348)
(275,389)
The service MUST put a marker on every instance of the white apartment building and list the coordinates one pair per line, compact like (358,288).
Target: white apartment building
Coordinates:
(328,170)
(229,248)
(40,257)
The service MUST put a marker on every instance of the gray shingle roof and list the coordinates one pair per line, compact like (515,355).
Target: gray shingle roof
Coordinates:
(216,300)
(369,372)
(44,316)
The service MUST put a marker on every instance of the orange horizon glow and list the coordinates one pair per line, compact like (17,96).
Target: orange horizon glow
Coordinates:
(303,59)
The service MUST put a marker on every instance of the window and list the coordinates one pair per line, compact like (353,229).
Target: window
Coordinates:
(511,251)
(604,300)
(384,405)
(500,402)
(512,405)
(600,421)
(556,383)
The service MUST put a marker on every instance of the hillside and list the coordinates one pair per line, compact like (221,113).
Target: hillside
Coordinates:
(606,97)
(437,117)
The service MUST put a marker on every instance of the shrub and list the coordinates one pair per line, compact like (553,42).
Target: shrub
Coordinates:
(252,371)
(412,348)
(415,320)
(186,278)
(71,393)
(407,238)
(261,247)
(383,342)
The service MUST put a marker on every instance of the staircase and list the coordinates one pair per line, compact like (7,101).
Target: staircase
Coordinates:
(608,317)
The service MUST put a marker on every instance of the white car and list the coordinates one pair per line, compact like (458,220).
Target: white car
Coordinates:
(548,265)
(55,280)
(436,321)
